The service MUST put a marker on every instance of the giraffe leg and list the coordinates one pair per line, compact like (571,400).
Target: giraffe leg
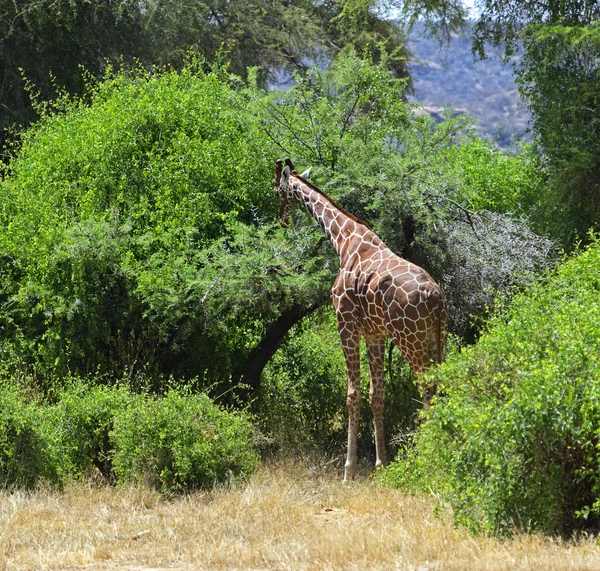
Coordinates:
(375,351)
(350,339)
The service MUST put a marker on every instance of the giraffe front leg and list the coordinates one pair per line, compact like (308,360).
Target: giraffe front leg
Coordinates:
(350,339)
(375,351)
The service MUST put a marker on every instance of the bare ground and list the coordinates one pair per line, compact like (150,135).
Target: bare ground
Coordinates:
(286,517)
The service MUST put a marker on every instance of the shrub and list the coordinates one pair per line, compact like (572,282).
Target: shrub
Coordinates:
(106,213)
(511,441)
(173,443)
(501,182)
(87,414)
(32,443)
(181,442)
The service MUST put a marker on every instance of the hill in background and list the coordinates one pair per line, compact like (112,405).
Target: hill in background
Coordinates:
(453,77)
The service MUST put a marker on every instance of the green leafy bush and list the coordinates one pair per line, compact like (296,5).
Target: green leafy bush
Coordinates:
(87,414)
(180,442)
(106,214)
(32,442)
(511,441)
(503,182)
(173,442)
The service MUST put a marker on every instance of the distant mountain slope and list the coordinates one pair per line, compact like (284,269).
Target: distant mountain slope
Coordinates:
(485,89)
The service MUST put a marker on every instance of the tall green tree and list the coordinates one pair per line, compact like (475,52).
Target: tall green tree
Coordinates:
(560,79)
(503,23)
(558,73)
(48,42)
(441,18)
(108,215)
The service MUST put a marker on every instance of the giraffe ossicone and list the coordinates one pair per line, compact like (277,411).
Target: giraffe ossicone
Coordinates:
(376,295)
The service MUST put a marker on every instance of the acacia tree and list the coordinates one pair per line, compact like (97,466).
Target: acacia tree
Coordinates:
(560,79)
(398,171)
(45,42)
(48,42)
(502,23)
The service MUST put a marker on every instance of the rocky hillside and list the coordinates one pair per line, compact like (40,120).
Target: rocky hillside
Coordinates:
(485,89)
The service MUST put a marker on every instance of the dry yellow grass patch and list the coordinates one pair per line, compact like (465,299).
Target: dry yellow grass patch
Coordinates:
(284,518)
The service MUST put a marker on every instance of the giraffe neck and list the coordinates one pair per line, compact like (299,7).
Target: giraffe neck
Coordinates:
(338,226)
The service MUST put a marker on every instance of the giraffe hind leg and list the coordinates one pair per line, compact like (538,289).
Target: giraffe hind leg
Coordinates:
(376,351)
(350,338)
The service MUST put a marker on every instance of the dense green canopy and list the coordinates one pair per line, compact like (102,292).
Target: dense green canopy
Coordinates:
(140,232)
(511,441)
(47,43)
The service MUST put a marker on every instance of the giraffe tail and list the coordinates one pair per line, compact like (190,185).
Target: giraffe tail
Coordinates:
(439,313)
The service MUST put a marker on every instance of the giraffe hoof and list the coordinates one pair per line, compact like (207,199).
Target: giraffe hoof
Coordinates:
(350,471)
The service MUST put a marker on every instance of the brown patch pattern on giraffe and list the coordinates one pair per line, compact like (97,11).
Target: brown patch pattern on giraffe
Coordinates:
(376,295)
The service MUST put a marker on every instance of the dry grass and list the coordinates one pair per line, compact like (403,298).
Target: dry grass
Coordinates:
(285,518)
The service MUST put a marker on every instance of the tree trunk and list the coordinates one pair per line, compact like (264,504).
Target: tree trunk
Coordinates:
(271,341)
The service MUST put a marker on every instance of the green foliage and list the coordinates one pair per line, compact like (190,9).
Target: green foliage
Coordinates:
(113,204)
(560,80)
(175,442)
(433,193)
(139,238)
(181,442)
(441,18)
(87,414)
(511,439)
(503,23)
(358,25)
(32,442)
(258,272)
(335,117)
(403,401)
(49,42)
(147,198)
(502,182)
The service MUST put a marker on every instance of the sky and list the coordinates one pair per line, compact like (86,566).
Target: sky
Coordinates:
(470,4)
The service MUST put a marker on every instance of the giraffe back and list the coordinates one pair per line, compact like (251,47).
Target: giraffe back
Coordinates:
(387,296)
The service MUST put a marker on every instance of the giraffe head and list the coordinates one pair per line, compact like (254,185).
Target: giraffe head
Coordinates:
(283,189)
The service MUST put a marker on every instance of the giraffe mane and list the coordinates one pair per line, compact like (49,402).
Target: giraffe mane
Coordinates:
(333,202)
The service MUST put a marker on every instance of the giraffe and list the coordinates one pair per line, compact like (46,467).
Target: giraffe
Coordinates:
(376,295)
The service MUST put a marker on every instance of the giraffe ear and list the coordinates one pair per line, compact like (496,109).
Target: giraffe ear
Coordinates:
(285,175)
(306,173)
(278,167)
